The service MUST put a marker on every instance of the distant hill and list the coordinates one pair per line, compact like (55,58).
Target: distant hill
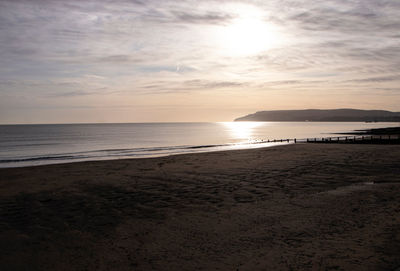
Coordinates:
(323,115)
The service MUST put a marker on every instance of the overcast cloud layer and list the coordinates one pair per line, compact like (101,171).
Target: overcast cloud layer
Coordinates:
(134,61)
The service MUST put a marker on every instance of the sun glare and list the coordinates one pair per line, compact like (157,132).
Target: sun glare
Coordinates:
(248,34)
(241,131)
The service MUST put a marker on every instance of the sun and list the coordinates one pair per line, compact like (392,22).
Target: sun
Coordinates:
(248,34)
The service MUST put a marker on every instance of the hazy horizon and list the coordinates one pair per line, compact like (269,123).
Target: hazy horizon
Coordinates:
(233,120)
(188,61)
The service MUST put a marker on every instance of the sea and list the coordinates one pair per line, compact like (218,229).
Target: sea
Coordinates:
(42,144)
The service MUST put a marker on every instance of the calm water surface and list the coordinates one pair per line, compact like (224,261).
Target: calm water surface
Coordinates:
(26,145)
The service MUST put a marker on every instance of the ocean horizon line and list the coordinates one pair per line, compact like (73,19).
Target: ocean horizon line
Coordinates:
(183,122)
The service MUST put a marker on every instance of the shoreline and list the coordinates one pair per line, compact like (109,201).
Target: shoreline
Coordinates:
(54,145)
(300,206)
(379,131)
(199,149)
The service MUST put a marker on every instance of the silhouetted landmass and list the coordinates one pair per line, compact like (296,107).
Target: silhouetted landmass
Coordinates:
(377,131)
(323,115)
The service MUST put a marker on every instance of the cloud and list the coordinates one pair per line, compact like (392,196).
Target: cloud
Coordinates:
(380,79)
(71,94)
(203,18)
(157,47)
(119,59)
(206,84)
(188,86)
(347,16)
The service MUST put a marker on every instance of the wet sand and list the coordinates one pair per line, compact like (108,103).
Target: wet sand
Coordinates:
(295,207)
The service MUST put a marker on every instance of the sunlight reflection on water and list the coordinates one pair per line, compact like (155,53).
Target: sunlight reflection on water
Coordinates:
(242,131)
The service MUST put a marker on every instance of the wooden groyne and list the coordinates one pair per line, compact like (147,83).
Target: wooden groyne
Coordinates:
(365,139)
(381,139)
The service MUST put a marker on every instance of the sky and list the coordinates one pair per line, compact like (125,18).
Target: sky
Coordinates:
(161,61)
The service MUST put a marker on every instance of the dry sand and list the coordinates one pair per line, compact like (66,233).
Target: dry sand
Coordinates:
(296,207)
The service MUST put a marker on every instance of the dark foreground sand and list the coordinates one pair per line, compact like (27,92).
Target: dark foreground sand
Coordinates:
(297,207)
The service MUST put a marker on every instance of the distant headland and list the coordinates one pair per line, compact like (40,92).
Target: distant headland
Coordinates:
(344,115)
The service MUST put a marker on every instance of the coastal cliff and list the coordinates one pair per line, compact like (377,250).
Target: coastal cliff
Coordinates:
(323,115)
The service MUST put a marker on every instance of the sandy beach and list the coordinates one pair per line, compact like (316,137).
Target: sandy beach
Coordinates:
(294,207)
